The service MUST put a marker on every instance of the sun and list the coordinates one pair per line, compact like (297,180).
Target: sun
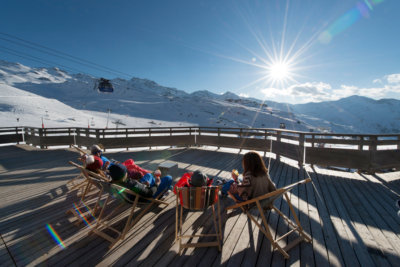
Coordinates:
(279,71)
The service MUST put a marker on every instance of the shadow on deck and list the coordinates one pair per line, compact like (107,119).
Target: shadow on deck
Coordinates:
(352,218)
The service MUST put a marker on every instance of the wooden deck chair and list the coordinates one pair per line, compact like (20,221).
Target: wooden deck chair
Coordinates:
(264,203)
(87,207)
(80,180)
(77,182)
(197,199)
(115,208)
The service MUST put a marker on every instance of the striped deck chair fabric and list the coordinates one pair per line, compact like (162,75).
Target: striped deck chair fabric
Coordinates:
(198,199)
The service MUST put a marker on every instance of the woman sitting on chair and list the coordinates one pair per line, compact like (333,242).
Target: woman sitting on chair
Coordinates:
(256,180)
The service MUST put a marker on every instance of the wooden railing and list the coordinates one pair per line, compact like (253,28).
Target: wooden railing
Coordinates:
(357,151)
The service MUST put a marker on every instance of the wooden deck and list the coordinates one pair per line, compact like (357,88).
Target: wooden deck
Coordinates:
(352,218)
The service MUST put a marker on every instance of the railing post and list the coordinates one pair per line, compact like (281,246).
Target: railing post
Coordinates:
(23,134)
(219,135)
(195,136)
(361,143)
(87,136)
(29,133)
(69,134)
(372,148)
(75,136)
(278,141)
(16,134)
(373,143)
(78,134)
(150,136)
(126,132)
(240,137)
(33,133)
(398,142)
(170,133)
(265,138)
(302,146)
(40,138)
(313,140)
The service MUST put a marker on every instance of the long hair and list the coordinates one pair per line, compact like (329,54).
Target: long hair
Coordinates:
(253,163)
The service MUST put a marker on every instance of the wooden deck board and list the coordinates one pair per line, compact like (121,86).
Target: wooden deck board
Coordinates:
(382,244)
(306,250)
(5,257)
(353,231)
(338,246)
(351,217)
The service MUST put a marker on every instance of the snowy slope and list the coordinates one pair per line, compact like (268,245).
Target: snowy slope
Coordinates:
(64,99)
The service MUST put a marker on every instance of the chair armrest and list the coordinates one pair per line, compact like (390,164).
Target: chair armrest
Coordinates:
(279,191)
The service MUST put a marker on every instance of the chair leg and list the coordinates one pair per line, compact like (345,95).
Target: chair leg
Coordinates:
(100,215)
(180,231)
(300,229)
(216,228)
(128,222)
(176,219)
(219,220)
(268,232)
(86,190)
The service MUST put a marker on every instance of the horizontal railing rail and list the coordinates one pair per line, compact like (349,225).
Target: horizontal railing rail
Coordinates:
(356,151)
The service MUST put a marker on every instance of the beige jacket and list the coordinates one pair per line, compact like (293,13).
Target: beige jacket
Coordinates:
(254,186)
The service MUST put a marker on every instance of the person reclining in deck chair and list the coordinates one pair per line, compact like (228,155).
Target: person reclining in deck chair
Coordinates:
(153,181)
(96,150)
(146,186)
(192,179)
(256,179)
(196,179)
(132,167)
(93,163)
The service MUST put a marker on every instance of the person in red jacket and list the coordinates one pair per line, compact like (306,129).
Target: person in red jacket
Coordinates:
(132,167)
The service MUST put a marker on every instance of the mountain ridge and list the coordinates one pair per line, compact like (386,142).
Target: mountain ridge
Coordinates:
(152,104)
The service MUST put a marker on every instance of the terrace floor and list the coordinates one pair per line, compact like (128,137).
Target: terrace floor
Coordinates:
(351,217)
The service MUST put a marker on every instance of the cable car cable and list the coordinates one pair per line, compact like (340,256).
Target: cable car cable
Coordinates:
(33,58)
(63,55)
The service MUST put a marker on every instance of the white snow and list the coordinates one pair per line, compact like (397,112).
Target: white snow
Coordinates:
(71,100)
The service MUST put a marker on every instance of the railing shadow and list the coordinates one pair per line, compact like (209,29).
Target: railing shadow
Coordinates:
(340,213)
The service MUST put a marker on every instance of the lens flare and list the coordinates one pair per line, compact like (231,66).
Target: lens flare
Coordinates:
(121,191)
(83,216)
(362,9)
(55,236)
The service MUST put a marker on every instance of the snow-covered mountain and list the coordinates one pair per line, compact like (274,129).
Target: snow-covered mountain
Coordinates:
(353,114)
(28,95)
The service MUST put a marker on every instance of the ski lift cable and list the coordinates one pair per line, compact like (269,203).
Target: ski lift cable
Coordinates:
(33,58)
(50,53)
(41,61)
(45,62)
(63,55)
(49,63)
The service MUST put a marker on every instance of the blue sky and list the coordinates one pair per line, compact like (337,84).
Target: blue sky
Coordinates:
(288,51)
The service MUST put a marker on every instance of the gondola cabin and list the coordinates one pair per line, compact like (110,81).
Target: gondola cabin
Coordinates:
(104,86)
